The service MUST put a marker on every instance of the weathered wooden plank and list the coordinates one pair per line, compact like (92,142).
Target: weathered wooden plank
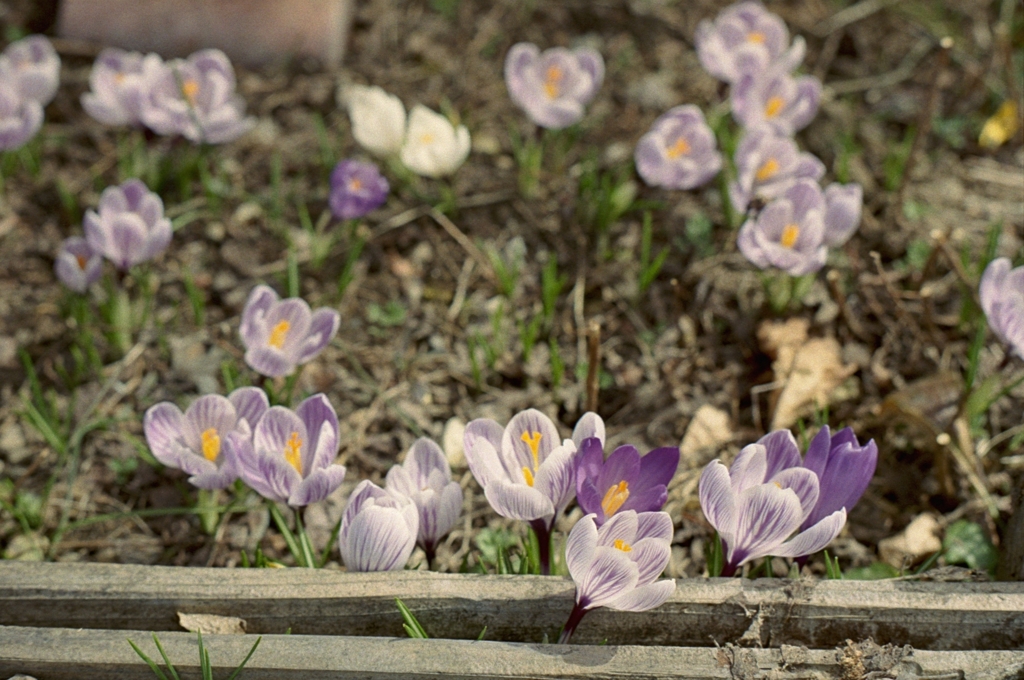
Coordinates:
(702,612)
(67,654)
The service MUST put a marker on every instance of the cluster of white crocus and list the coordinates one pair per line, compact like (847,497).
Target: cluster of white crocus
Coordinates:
(426,142)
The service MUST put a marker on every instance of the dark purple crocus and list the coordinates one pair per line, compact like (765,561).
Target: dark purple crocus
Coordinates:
(119,85)
(745,38)
(625,481)
(281,334)
(77,266)
(679,152)
(789,233)
(553,86)
(1002,298)
(20,117)
(357,188)
(777,99)
(32,66)
(767,164)
(130,226)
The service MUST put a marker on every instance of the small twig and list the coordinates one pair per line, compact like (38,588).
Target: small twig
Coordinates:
(924,121)
(593,363)
(465,242)
(902,72)
(460,289)
(852,14)
(852,322)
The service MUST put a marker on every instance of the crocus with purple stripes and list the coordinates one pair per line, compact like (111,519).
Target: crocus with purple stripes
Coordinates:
(679,152)
(357,189)
(20,118)
(281,334)
(745,38)
(789,233)
(119,84)
(1002,298)
(767,164)
(130,226)
(378,530)
(555,85)
(777,99)
(625,481)
(32,67)
(843,204)
(77,266)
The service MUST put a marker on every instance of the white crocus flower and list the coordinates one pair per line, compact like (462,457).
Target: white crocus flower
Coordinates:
(433,146)
(378,119)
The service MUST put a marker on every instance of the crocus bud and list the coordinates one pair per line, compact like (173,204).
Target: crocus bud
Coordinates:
(777,99)
(119,83)
(77,266)
(378,530)
(356,189)
(789,233)
(20,117)
(746,39)
(679,152)
(433,146)
(130,226)
(843,203)
(378,119)
(1002,298)
(281,334)
(553,86)
(33,67)
(425,478)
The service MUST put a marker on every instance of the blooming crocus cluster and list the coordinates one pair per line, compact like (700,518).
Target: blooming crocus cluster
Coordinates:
(29,76)
(679,152)
(625,481)
(378,529)
(555,85)
(427,143)
(119,86)
(129,227)
(1002,298)
(617,565)
(767,164)
(281,334)
(357,188)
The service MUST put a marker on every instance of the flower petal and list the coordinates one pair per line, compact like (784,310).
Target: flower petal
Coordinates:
(643,598)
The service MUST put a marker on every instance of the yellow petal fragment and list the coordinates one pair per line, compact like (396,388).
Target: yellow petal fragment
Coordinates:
(767,170)
(1001,127)
(622,545)
(614,498)
(293,452)
(211,444)
(278,335)
(678,149)
(789,235)
(773,106)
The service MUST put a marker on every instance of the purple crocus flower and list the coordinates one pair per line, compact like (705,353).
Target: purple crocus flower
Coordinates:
(789,233)
(290,456)
(1002,298)
(196,98)
(378,530)
(357,188)
(33,67)
(777,99)
(195,441)
(625,481)
(119,84)
(77,266)
(527,472)
(20,117)
(745,38)
(679,151)
(843,203)
(616,565)
(756,514)
(425,478)
(130,226)
(767,164)
(281,334)
(553,86)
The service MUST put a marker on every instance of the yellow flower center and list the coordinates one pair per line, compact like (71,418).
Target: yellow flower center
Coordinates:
(278,335)
(767,170)
(532,440)
(552,79)
(293,452)
(678,149)
(190,89)
(211,444)
(772,108)
(789,235)
(354,184)
(81,261)
(614,498)
(426,138)
(756,37)
(622,545)
(119,78)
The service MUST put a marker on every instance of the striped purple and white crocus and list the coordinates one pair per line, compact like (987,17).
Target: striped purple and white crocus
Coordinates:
(625,481)
(77,266)
(789,233)
(130,226)
(526,470)
(425,478)
(32,67)
(767,164)
(378,529)
(119,84)
(1002,298)
(745,38)
(617,565)
(679,151)
(193,441)
(776,99)
(281,334)
(555,85)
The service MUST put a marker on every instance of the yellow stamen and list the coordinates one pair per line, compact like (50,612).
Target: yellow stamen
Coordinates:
(678,149)
(190,89)
(767,170)
(790,235)
(551,81)
(278,334)
(119,78)
(82,261)
(622,545)
(426,138)
(293,452)
(614,498)
(772,108)
(354,184)
(532,440)
(755,37)
(528,475)
(211,444)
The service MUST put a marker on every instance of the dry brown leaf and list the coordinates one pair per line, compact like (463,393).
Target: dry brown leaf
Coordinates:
(709,429)
(920,538)
(211,624)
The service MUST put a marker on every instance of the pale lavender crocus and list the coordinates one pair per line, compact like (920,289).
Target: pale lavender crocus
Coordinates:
(767,164)
(378,529)
(281,334)
(290,456)
(77,266)
(130,226)
(789,233)
(357,189)
(20,118)
(777,99)
(843,205)
(746,39)
(618,564)
(32,66)
(679,152)
(425,478)
(1002,298)
(526,470)
(555,85)
(757,514)
(194,441)
(625,481)
(196,98)
(119,85)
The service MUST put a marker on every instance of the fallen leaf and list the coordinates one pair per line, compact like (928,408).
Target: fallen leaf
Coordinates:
(1001,127)
(212,624)
(709,429)
(918,539)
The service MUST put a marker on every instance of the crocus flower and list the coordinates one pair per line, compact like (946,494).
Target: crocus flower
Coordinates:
(756,515)
(378,119)
(616,565)
(789,233)
(281,334)
(290,456)
(33,67)
(527,472)
(119,85)
(130,226)
(1002,298)
(625,481)
(745,38)
(77,266)
(378,530)
(777,99)
(196,98)
(433,146)
(679,152)
(767,164)
(553,86)
(843,203)
(425,478)
(356,189)
(20,118)
(194,441)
